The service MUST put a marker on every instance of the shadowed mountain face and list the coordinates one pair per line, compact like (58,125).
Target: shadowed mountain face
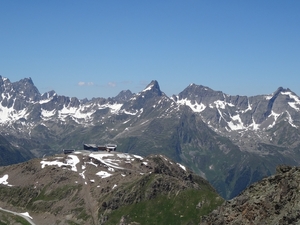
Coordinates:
(232,141)
(11,154)
(106,188)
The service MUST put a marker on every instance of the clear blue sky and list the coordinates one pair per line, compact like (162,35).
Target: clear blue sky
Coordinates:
(98,48)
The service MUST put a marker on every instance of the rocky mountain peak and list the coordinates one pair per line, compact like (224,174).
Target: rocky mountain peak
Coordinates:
(198,89)
(48,94)
(3,80)
(153,87)
(26,81)
(198,94)
(281,89)
(5,84)
(26,88)
(124,95)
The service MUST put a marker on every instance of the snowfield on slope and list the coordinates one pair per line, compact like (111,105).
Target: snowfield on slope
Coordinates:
(110,161)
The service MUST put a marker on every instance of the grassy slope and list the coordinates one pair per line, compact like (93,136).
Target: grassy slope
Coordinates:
(176,209)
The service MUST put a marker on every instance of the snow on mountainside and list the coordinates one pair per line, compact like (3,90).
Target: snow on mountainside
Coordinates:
(88,187)
(90,167)
(21,102)
(23,108)
(50,106)
(220,136)
(111,162)
(241,112)
(240,116)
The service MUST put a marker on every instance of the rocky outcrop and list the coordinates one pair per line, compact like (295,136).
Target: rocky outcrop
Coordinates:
(273,200)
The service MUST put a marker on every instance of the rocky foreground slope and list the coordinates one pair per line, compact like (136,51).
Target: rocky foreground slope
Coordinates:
(105,188)
(274,200)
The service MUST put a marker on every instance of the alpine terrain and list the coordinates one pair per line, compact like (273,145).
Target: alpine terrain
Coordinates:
(232,141)
(273,200)
(98,187)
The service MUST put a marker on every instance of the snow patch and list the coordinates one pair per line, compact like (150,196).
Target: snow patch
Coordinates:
(236,123)
(255,126)
(275,117)
(181,166)
(26,214)
(138,157)
(47,114)
(108,159)
(295,99)
(103,174)
(3,180)
(195,107)
(72,161)
(290,120)
(82,174)
(111,169)
(129,113)
(148,88)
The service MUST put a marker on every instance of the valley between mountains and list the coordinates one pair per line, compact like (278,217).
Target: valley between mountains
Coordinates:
(231,141)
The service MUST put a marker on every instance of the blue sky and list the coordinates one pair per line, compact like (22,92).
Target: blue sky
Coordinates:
(97,48)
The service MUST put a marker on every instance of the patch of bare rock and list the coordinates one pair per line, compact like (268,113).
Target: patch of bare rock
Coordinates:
(274,200)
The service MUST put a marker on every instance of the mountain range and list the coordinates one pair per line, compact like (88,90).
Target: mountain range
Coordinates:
(232,141)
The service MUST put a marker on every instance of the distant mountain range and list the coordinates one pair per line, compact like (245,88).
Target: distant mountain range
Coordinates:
(232,141)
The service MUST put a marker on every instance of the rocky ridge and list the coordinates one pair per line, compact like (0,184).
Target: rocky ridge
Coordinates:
(99,188)
(273,200)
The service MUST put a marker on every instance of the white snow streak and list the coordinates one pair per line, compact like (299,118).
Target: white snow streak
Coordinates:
(295,98)
(103,174)
(72,160)
(181,166)
(26,214)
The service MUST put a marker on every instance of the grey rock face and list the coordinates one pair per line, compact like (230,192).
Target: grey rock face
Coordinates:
(274,200)
(123,96)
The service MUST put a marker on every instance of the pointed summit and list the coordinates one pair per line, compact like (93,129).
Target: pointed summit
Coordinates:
(27,81)
(4,79)
(4,82)
(281,89)
(200,94)
(27,88)
(153,87)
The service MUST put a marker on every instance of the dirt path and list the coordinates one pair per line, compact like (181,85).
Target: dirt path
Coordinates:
(91,204)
